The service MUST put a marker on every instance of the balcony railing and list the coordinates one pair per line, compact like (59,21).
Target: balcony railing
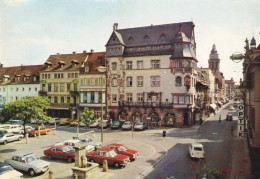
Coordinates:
(182,70)
(60,105)
(42,93)
(145,104)
(74,93)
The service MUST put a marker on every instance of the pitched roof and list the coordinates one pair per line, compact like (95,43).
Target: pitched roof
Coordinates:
(154,34)
(67,60)
(12,72)
(93,61)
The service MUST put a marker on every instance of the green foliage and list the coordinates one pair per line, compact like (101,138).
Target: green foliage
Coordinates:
(204,170)
(27,108)
(88,116)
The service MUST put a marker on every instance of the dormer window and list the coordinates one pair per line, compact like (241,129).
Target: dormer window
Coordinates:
(75,63)
(87,69)
(34,78)
(17,77)
(26,77)
(6,78)
(47,64)
(61,64)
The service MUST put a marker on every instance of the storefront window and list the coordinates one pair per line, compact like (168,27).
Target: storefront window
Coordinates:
(170,119)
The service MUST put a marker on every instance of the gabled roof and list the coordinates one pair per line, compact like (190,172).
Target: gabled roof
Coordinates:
(93,61)
(153,35)
(12,72)
(66,59)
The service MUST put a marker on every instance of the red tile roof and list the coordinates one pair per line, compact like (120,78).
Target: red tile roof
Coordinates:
(94,60)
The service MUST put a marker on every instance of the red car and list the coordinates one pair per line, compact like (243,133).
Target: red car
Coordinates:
(39,130)
(122,149)
(114,159)
(60,151)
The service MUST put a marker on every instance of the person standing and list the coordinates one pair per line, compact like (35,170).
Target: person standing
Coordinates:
(164,133)
(219,118)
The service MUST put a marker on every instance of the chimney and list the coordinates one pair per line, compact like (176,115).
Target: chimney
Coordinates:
(74,52)
(115,27)
(84,51)
(92,51)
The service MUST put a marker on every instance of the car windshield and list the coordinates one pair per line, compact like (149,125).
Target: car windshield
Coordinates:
(198,149)
(127,123)
(31,158)
(139,124)
(112,153)
(6,168)
(66,149)
(122,148)
(115,122)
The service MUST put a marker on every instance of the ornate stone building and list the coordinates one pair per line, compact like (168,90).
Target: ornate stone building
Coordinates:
(152,74)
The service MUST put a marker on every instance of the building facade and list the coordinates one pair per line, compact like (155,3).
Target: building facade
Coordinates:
(230,89)
(152,74)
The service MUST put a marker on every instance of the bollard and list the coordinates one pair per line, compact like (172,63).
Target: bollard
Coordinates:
(26,137)
(75,176)
(105,168)
(51,174)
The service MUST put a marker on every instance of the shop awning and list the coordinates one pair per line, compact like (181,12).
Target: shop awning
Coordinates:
(213,106)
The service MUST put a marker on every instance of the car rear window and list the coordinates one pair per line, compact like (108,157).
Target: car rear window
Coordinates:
(198,148)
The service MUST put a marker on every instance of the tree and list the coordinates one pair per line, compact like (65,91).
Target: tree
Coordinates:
(88,116)
(26,109)
(203,170)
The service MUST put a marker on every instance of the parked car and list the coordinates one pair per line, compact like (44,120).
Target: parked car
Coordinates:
(229,117)
(74,123)
(39,130)
(89,141)
(114,159)
(116,125)
(76,142)
(64,121)
(13,121)
(122,149)
(140,126)
(28,162)
(21,131)
(10,128)
(4,138)
(3,131)
(60,151)
(106,124)
(196,150)
(127,125)
(96,124)
(231,108)
(8,172)
(53,121)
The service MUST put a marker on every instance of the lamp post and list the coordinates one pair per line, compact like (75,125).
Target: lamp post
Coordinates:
(101,69)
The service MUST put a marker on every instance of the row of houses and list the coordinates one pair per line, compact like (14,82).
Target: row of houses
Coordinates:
(150,74)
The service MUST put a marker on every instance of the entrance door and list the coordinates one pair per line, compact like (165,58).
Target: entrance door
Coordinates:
(186,117)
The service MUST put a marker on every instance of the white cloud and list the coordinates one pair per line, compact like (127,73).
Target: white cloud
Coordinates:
(16,2)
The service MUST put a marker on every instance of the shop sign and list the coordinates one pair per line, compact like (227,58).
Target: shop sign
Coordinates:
(241,121)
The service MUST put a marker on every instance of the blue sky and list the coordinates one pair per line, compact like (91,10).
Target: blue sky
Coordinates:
(31,30)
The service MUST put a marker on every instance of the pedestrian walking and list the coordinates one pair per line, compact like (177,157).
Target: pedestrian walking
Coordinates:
(164,133)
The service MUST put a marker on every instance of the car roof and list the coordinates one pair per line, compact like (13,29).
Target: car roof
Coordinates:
(197,145)
(59,146)
(117,145)
(104,149)
(22,154)
(72,140)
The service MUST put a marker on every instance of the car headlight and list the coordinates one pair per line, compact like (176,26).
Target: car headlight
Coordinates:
(38,170)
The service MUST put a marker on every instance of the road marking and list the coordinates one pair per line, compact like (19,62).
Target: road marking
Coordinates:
(215,133)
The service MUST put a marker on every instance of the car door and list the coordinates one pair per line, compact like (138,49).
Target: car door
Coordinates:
(9,137)
(98,156)
(23,164)
(59,153)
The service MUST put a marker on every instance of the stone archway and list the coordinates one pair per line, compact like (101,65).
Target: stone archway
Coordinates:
(137,116)
(123,115)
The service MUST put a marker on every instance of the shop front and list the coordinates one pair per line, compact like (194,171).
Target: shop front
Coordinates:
(154,118)
(123,116)
(137,117)
(170,120)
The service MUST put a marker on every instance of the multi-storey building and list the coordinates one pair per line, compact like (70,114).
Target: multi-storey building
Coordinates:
(230,88)
(18,82)
(152,74)
(59,81)
(93,84)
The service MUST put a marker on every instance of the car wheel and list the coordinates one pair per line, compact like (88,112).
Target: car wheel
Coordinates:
(49,156)
(70,159)
(31,172)
(92,160)
(5,142)
(19,138)
(116,165)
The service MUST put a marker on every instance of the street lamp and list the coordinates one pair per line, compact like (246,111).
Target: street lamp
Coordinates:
(237,57)
(101,69)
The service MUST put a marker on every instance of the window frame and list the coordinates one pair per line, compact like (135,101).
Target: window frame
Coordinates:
(155,64)
(155,81)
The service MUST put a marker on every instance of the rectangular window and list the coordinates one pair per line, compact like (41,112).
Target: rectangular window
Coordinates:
(62,76)
(43,87)
(140,81)
(99,81)
(92,82)
(55,87)
(35,89)
(114,98)
(46,76)
(61,99)
(58,75)
(72,75)
(55,99)
(55,76)
(49,99)
(68,75)
(49,76)
(175,100)
(129,81)
(49,87)
(187,99)
(129,97)
(140,97)
(155,81)
(155,64)
(68,87)
(181,98)
(68,100)
(62,87)
(139,65)
(113,66)
(76,75)
(42,76)
(34,78)
(129,65)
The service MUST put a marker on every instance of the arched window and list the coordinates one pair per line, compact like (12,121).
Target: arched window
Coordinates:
(178,81)
(114,82)
(178,64)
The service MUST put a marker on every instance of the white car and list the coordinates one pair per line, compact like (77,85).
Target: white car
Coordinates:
(89,141)
(4,138)
(21,131)
(7,172)
(76,142)
(127,125)
(196,150)
(54,120)
(96,124)
(10,128)
(28,162)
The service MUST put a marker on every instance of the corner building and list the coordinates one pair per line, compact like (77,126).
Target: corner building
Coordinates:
(152,74)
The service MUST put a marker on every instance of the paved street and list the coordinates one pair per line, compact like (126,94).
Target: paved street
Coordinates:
(158,157)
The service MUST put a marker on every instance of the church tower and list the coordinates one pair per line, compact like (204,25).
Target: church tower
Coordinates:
(214,60)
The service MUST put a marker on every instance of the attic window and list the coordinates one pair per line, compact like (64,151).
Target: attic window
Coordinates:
(75,62)
(61,64)
(6,78)
(17,77)
(26,77)
(87,69)
(34,78)
(47,64)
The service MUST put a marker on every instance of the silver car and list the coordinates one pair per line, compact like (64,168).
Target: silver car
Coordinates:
(7,172)
(89,141)
(127,125)
(28,162)
(4,138)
